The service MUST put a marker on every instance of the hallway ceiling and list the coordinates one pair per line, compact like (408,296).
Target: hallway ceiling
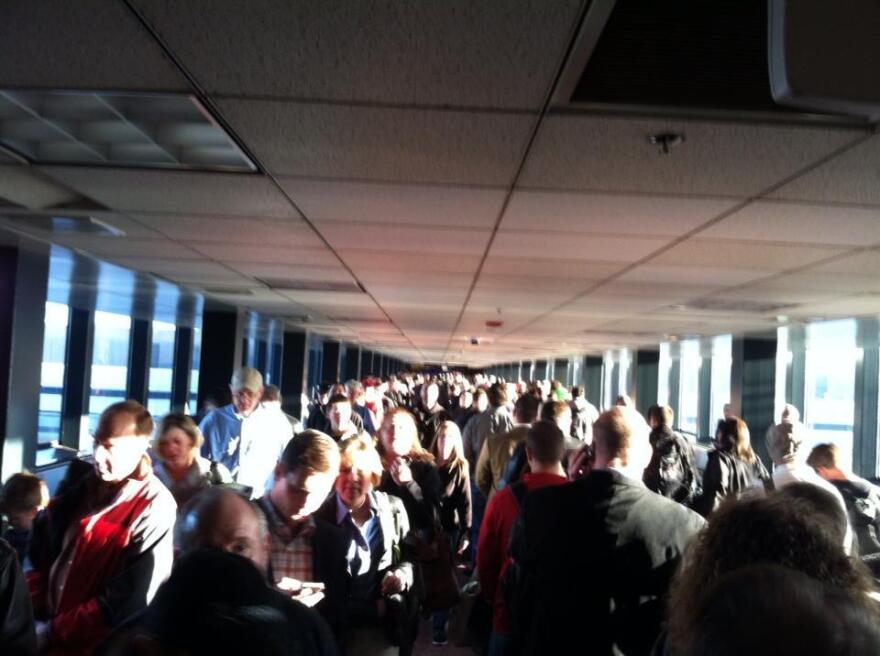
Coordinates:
(422,151)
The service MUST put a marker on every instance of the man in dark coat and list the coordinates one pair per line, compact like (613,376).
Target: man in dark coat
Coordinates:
(595,557)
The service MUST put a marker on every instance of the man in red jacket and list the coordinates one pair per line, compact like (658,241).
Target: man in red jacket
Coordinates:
(101,549)
(545,447)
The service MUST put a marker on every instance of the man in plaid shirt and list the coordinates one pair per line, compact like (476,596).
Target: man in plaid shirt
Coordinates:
(304,548)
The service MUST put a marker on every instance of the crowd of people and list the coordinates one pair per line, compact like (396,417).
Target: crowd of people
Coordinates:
(247,530)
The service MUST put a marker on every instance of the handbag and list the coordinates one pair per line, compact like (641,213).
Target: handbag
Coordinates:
(436,570)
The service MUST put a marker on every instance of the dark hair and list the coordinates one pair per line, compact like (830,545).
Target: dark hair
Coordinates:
(497,395)
(143,420)
(553,410)
(271,393)
(338,398)
(824,455)
(776,530)
(312,450)
(22,491)
(662,414)
(576,392)
(733,437)
(526,408)
(777,610)
(821,502)
(202,510)
(546,442)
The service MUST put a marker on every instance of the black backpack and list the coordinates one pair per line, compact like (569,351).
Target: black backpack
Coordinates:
(514,584)
(671,472)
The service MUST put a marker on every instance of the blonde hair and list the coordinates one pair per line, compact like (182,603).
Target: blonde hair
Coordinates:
(451,431)
(356,450)
(183,422)
(417,452)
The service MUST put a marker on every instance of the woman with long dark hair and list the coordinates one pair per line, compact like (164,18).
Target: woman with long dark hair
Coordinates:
(732,467)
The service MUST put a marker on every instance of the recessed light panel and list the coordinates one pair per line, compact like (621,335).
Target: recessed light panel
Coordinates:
(116,129)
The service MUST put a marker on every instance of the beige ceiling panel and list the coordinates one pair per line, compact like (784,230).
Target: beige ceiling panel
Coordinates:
(603,153)
(381,143)
(292,271)
(742,255)
(534,284)
(385,260)
(128,247)
(427,280)
(512,243)
(24,186)
(266,254)
(202,272)
(238,230)
(425,205)
(643,216)
(409,295)
(789,223)
(852,177)
(408,239)
(551,267)
(710,276)
(88,44)
(176,191)
(450,53)
(866,263)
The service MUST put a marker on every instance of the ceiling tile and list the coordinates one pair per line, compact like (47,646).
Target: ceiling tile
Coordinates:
(88,44)
(551,267)
(176,192)
(645,216)
(674,274)
(395,204)
(800,223)
(866,263)
(399,52)
(512,243)
(851,177)
(202,272)
(294,271)
(265,254)
(128,247)
(408,239)
(742,254)
(603,153)
(372,143)
(385,260)
(239,230)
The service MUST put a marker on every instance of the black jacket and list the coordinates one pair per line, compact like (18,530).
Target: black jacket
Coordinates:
(863,507)
(596,559)
(728,476)
(17,637)
(455,500)
(671,471)
(421,496)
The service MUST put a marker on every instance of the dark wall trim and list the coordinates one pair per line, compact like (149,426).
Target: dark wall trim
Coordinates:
(139,355)
(182,372)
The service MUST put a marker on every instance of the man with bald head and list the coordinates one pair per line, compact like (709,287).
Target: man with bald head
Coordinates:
(102,548)
(596,556)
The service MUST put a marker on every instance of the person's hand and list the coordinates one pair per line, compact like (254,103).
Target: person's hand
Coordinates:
(401,472)
(309,594)
(579,465)
(393,582)
(462,547)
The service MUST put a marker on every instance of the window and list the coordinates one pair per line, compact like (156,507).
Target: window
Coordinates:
(689,395)
(110,348)
(52,372)
(608,391)
(192,403)
(664,365)
(625,371)
(829,397)
(161,368)
(722,362)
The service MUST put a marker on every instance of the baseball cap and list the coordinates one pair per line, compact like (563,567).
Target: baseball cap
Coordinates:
(246,378)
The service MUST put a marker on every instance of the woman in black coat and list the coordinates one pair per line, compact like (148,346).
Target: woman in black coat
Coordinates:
(732,467)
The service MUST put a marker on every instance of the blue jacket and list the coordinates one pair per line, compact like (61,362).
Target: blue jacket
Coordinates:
(220,427)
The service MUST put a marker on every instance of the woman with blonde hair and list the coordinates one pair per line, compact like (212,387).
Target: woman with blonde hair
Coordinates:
(410,473)
(179,465)
(372,528)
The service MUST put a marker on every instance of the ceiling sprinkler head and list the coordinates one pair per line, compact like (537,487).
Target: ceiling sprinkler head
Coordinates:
(666,140)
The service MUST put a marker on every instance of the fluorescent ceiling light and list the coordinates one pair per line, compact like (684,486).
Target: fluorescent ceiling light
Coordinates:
(116,129)
(70,225)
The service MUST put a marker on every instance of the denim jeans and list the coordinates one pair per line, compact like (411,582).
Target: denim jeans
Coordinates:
(499,644)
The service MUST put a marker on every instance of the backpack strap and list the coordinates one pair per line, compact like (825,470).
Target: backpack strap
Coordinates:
(519,490)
